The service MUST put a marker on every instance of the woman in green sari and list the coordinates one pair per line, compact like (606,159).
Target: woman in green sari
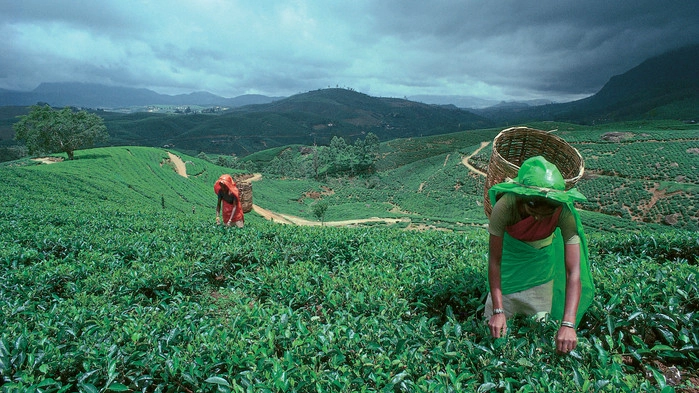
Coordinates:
(538,257)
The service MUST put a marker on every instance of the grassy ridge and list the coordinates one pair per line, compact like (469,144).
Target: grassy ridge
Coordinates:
(115,178)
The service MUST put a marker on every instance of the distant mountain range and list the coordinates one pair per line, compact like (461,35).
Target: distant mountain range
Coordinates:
(663,87)
(91,95)
(669,79)
(468,102)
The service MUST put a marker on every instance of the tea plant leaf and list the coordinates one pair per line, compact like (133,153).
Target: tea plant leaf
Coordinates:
(659,377)
(634,315)
(88,388)
(658,348)
(218,381)
(486,387)
(578,378)
(117,387)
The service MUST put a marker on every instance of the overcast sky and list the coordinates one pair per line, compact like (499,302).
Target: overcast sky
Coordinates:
(500,49)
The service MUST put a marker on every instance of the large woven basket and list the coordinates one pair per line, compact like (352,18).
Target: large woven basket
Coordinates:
(245,189)
(512,146)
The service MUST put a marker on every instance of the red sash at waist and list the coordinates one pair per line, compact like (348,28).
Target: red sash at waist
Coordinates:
(530,229)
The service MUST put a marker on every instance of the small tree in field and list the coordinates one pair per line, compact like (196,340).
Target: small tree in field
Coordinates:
(319,209)
(45,130)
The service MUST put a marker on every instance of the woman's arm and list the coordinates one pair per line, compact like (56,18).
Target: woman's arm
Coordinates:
(218,209)
(232,215)
(497,322)
(566,339)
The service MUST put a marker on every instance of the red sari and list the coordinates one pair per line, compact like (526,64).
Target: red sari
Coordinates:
(229,198)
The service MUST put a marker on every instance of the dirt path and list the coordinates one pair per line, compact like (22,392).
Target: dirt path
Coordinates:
(293,220)
(469,166)
(254,177)
(180,167)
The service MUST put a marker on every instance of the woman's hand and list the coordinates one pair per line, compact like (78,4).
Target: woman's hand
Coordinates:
(498,325)
(566,339)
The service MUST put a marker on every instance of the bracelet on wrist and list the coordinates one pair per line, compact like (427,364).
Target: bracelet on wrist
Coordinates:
(498,311)
(568,324)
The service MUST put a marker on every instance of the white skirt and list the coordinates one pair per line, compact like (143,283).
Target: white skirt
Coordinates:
(533,301)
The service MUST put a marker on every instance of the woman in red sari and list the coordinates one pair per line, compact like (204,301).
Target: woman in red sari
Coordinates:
(229,199)
(538,256)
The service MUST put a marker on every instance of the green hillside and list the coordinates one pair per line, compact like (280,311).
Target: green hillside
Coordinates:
(638,175)
(113,179)
(308,118)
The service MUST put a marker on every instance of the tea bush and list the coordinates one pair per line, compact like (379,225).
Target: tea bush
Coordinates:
(164,302)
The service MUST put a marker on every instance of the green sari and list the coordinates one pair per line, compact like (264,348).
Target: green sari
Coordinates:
(524,267)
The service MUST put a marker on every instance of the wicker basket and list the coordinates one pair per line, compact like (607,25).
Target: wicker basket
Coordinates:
(245,189)
(512,146)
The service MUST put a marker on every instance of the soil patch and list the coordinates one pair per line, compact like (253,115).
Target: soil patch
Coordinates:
(616,136)
(48,160)
(180,167)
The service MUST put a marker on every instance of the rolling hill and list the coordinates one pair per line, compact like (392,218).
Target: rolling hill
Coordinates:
(638,175)
(309,118)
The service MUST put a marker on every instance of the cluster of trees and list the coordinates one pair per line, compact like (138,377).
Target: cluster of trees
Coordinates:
(337,159)
(231,161)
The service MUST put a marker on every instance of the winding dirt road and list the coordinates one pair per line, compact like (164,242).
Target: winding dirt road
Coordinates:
(293,220)
(471,167)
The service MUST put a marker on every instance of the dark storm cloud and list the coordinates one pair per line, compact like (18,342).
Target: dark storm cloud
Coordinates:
(499,50)
(545,46)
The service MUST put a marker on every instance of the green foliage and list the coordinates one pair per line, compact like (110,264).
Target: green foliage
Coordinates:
(319,209)
(644,172)
(668,245)
(337,159)
(45,130)
(424,179)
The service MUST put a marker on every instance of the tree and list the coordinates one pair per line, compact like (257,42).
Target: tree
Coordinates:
(369,153)
(45,130)
(319,209)
(341,155)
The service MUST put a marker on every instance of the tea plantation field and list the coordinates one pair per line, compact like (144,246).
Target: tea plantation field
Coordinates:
(113,277)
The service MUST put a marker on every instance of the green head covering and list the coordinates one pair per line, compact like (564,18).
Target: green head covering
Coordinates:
(537,177)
